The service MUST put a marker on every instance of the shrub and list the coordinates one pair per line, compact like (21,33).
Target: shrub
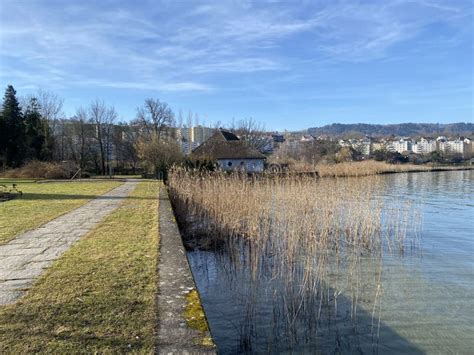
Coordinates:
(43,170)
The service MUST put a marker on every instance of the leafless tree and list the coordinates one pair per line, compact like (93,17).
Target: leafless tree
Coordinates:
(51,109)
(127,145)
(180,122)
(51,105)
(158,155)
(189,121)
(154,118)
(253,133)
(103,117)
(81,130)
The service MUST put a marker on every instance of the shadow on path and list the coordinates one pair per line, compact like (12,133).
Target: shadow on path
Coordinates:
(47,196)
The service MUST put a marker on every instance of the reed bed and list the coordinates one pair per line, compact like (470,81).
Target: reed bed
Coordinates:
(368,167)
(319,237)
(365,168)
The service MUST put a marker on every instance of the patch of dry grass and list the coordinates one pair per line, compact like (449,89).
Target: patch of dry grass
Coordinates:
(42,170)
(365,168)
(100,296)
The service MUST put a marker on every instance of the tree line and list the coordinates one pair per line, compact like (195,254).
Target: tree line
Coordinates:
(25,133)
(34,128)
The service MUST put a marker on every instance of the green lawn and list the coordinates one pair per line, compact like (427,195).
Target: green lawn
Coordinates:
(136,176)
(41,203)
(100,296)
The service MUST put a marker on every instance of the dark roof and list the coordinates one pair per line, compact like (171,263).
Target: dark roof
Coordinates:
(225,145)
(229,136)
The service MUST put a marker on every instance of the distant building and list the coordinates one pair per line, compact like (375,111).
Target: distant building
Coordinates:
(424,146)
(201,134)
(192,137)
(456,146)
(400,146)
(364,146)
(307,138)
(229,153)
(278,138)
(378,146)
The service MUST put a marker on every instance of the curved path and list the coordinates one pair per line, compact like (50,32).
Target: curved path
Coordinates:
(25,258)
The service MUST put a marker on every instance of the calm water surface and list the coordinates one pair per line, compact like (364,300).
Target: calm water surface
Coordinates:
(425,304)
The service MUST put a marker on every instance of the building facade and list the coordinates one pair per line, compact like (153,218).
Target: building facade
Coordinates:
(424,146)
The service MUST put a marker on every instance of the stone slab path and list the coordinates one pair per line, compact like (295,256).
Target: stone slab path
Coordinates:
(24,258)
(175,282)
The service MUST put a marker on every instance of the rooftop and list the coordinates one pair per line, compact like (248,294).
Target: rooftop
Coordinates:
(225,145)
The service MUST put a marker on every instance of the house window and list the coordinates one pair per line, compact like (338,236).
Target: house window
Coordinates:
(229,163)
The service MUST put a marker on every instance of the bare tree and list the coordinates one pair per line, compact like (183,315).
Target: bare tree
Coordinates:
(83,136)
(253,133)
(103,117)
(127,145)
(180,122)
(189,121)
(154,118)
(159,155)
(51,110)
(51,105)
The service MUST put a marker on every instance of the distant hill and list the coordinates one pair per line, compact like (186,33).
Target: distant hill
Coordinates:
(402,129)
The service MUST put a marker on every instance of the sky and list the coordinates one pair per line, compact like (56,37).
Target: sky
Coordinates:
(287,64)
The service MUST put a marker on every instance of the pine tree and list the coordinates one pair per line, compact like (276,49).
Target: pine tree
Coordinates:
(34,130)
(13,129)
(3,139)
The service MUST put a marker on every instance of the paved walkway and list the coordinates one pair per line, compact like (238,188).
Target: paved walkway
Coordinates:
(24,258)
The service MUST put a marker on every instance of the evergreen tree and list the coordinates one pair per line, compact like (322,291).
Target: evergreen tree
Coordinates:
(13,128)
(34,130)
(48,145)
(3,139)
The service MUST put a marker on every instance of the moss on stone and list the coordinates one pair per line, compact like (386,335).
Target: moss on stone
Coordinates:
(194,314)
(195,318)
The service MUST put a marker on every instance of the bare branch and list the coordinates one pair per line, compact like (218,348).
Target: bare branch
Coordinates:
(51,105)
(154,118)
(253,133)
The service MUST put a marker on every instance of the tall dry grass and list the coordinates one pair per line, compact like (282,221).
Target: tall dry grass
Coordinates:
(42,170)
(365,168)
(327,236)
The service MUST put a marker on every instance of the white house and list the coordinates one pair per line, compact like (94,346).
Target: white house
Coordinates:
(400,146)
(424,146)
(228,152)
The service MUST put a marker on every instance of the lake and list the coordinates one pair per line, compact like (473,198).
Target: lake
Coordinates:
(415,301)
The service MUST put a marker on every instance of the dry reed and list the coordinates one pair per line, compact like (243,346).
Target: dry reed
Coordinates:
(367,167)
(327,236)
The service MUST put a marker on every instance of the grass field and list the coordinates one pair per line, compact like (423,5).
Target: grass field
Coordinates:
(100,296)
(41,203)
(136,176)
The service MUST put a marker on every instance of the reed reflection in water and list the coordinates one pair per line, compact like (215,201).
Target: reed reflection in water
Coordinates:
(298,260)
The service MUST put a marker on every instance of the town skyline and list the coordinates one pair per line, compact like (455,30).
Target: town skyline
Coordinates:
(286,65)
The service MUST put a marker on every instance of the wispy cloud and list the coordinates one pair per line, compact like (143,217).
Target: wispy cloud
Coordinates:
(212,37)
(179,46)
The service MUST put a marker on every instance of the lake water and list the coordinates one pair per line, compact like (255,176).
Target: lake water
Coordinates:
(425,304)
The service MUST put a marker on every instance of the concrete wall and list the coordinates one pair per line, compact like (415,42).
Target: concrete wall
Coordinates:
(175,282)
(250,165)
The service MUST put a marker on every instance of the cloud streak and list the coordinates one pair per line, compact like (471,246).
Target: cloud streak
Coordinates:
(176,47)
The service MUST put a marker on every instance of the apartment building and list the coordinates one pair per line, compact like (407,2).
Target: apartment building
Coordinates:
(424,146)
(400,146)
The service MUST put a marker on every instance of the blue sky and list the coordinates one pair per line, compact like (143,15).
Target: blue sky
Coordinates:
(288,64)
